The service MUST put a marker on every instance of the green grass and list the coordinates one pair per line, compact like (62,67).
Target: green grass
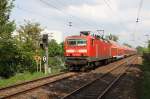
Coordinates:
(145,81)
(18,78)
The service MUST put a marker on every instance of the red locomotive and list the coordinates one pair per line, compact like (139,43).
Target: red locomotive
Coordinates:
(86,50)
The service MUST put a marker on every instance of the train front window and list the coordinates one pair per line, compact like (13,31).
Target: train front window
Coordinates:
(77,42)
(72,42)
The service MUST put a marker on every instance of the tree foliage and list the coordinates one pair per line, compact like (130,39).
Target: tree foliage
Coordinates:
(8,50)
(127,44)
(29,35)
(17,52)
(149,45)
(6,26)
(140,49)
(28,40)
(55,49)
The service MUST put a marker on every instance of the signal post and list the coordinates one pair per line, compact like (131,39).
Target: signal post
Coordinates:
(45,47)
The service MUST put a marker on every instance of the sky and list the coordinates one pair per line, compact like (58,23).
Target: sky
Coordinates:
(117,17)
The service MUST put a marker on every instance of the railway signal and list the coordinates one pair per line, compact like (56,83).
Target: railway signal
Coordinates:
(45,39)
(44,45)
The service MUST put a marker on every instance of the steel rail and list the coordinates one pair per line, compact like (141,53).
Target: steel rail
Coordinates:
(113,82)
(89,83)
(34,81)
(26,82)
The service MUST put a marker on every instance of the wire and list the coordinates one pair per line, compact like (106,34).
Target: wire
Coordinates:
(139,10)
(32,12)
(109,6)
(137,20)
(63,12)
(29,11)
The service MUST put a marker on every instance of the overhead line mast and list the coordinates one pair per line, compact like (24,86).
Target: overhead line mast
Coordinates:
(138,18)
(139,10)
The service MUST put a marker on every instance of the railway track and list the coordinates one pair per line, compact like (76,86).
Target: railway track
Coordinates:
(97,88)
(62,80)
(16,89)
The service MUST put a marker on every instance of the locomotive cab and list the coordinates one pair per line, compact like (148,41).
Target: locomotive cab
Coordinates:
(76,52)
(76,47)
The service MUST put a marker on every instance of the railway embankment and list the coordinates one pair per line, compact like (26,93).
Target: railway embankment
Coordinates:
(128,87)
(136,82)
(144,84)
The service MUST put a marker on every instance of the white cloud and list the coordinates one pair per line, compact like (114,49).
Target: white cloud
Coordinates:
(119,21)
(87,11)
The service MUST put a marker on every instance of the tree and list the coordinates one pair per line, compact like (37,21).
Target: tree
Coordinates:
(28,40)
(8,49)
(56,52)
(140,49)
(127,44)
(6,26)
(54,48)
(149,45)
(112,37)
(62,48)
(29,35)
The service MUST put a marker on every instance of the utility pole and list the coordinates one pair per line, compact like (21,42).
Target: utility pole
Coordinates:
(46,63)
(70,24)
(44,46)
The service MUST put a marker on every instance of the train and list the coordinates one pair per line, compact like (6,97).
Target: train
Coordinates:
(88,51)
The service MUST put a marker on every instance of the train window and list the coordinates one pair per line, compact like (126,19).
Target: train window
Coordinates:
(72,42)
(81,42)
(77,42)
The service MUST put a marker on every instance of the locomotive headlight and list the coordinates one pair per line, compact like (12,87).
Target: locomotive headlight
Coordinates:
(70,51)
(83,51)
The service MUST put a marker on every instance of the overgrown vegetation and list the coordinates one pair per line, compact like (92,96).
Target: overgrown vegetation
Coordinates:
(145,80)
(9,53)
(22,77)
(17,51)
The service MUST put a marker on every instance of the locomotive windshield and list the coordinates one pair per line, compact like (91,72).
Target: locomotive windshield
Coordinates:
(76,42)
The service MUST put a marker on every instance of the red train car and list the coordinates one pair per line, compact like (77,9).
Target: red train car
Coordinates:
(85,50)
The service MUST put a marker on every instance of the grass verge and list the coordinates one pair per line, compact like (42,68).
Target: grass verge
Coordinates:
(145,81)
(22,77)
